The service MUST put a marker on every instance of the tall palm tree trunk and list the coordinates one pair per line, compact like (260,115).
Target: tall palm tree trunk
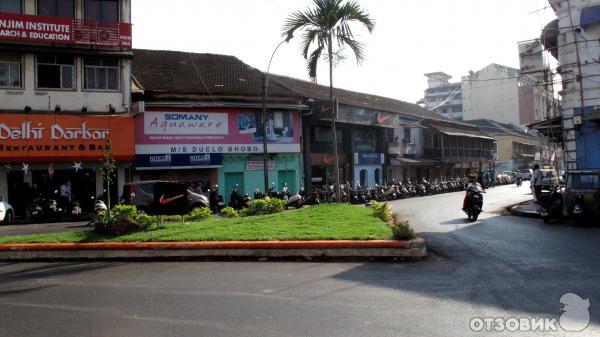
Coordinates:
(336,163)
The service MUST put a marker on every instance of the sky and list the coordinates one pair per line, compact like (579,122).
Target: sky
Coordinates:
(410,38)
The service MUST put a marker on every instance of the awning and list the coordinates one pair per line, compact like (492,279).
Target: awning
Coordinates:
(414,162)
(550,128)
(460,134)
(589,16)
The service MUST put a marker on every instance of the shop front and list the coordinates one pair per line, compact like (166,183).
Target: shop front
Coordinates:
(207,147)
(368,168)
(59,157)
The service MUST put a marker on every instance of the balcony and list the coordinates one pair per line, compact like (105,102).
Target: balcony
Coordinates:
(403,149)
(63,31)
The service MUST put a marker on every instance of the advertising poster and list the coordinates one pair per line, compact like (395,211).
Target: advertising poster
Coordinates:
(177,132)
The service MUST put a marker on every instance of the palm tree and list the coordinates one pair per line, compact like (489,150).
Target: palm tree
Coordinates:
(328,22)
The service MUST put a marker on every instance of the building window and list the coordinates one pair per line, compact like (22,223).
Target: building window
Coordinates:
(10,71)
(101,74)
(10,6)
(58,8)
(56,72)
(102,10)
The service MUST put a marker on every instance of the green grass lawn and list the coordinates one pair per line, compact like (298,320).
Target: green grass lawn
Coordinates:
(324,222)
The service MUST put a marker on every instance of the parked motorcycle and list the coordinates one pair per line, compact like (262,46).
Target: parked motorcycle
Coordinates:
(216,200)
(312,199)
(552,204)
(235,198)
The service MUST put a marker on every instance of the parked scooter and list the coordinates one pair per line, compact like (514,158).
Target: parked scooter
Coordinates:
(294,200)
(100,206)
(76,210)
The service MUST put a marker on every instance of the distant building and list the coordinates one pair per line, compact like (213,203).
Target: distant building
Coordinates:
(442,96)
(516,149)
(495,92)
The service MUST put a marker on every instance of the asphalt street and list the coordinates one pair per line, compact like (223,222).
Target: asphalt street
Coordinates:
(499,266)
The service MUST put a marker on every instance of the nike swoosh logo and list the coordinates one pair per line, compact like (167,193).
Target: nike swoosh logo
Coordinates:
(382,119)
(164,201)
(325,108)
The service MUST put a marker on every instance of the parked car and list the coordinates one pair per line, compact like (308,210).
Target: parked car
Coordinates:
(525,173)
(7,213)
(162,197)
(582,194)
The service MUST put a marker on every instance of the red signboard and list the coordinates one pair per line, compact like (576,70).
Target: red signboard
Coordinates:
(46,29)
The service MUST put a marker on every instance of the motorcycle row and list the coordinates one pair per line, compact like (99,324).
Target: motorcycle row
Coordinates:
(55,207)
(355,195)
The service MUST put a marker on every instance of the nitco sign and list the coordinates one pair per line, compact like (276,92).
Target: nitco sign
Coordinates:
(27,131)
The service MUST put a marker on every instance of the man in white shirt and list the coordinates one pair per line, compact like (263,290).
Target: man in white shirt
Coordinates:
(537,178)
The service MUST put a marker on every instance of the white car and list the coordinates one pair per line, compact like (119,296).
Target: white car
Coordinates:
(7,213)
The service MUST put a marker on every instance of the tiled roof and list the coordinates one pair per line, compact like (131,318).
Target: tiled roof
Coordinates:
(492,127)
(176,72)
(358,99)
(457,130)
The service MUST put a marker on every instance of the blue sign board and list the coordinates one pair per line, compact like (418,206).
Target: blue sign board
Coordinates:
(368,158)
(175,161)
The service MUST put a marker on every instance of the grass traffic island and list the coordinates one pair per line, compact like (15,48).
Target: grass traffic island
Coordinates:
(325,231)
(323,222)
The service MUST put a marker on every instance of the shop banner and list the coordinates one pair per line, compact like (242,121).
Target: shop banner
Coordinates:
(368,158)
(258,165)
(177,161)
(224,131)
(40,138)
(46,29)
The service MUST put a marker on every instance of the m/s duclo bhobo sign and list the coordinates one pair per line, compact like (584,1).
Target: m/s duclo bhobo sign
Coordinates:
(214,132)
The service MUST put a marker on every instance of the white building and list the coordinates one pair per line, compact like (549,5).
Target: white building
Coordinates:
(573,39)
(65,88)
(442,96)
(492,93)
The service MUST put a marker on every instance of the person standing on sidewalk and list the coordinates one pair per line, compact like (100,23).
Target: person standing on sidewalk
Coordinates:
(536,181)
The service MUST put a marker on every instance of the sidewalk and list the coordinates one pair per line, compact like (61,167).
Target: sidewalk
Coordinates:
(527,209)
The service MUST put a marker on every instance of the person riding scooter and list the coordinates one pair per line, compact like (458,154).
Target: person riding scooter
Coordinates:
(472,185)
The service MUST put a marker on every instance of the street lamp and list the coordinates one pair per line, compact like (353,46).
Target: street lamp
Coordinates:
(265,88)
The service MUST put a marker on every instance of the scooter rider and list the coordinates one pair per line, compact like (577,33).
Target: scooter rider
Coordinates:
(472,185)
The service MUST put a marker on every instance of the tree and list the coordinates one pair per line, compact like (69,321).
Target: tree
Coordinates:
(328,22)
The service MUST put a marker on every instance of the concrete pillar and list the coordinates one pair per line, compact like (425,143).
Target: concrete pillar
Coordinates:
(99,183)
(120,181)
(3,185)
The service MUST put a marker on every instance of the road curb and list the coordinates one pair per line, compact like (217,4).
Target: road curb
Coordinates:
(516,210)
(415,248)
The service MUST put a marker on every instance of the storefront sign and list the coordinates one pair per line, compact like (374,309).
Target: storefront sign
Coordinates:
(198,132)
(185,123)
(36,138)
(475,164)
(258,165)
(177,161)
(368,158)
(46,29)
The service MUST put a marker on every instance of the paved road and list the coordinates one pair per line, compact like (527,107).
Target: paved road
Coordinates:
(499,266)
(43,228)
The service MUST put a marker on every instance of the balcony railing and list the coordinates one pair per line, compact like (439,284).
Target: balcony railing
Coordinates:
(64,31)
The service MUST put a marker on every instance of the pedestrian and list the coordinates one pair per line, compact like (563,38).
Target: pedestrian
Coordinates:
(480,180)
(537,179)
